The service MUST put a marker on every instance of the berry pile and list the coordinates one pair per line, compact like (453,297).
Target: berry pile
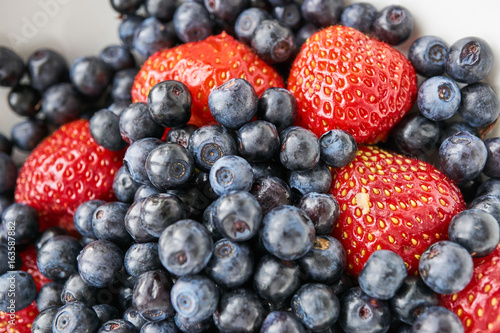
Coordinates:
(197,194)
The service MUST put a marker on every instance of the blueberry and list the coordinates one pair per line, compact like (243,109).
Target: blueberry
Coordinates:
(11,68)
(272,41)
(393,25)
(489,203)
(208,222)
(151,295)
(158,211)
(271,192)
(185,247)
(231,173)
(164,326)
(23,220)
(181,135)
(268,169)
(189,326)
(5,145)
(227,10)
(322,209)
(237,216)
(27,134)
(48,234)
(90,75)
(161,9)
(428,55)
(239,311)
(46,67)
(194,200)
(480,106)
(438,319)
(231,264)
(135,158)
(416,136)
(316,305)
(108,223)
(8,173)
(411,299)
(446,267)
(192,22)
(152,36)
(122,84)
(247,22)
(75,317)
(127,29)
(118,107)
(83,217)
(24,100)
(106,312)
(24,291)
(117,57)
(450,128)
(258,141)
(287,232)
(141,258)
(57,258)
(194,297)
(99,263)
(145,191)
(322,13)
(317,179)
(288,15)
(43,321)
(469,60)
(476,230)
(61,103)
(462,156)
(382,274)
(338,148)
(119,326)
(300,149)
(359,16)
(135,318)
(105,130)
(49,296)
(493,159)
(126,6)
(169,103)
(343,284)
(136,123)
(438,98)
(124,186)
(169,166)
(209,143)
(275,279)
(306,31)
(77,290)
(281,322)
(5,263)
(279,107)
(361,313)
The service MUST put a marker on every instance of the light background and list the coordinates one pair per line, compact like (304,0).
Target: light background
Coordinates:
(77,28)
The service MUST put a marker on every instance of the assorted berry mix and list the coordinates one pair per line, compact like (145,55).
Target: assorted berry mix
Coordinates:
(174,184)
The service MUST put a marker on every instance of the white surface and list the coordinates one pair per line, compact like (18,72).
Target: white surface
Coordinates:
(84,27)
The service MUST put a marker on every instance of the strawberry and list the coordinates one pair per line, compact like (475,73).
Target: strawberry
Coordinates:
(66,169)
(391,202)
(478,305)
(343,79)
(202,66)
(21,323)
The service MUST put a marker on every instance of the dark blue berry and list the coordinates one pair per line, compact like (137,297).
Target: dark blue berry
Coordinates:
(192,22)
(453,127)
(359,16)
(118,326)
(108,223)
(75,317)
(275,279)
(237,216)
(28,134)
(117,58)
(317,179)
(231,264)
(300,149)
(185,247)
(23,220)
(161,9)
(247,22)
(158,211)
(476,230)
(48,234)
(126,6)
(393,25)
(142,257)
(462,156)
(428,55)
(338,148)
(151,295)
(169,103)
(24,100)
(122,84)
(77,290)
(185,325)
(90,75)
(133,223)
(322,13)
(127,29)
(131,315)
(135,158)
(416,136)
(145,191)
(43,321)
(169,166)
(438,319)
(272,41)
(322,209)
(57,258)
(231,173)
(208,222)
(4,259)
(11,68)
(438,98)
(209,143)
(411,299)
(5,145)
(239,311)
(268,169)
(325,262)
(136,123)
(316,305)
(343,284)
(124,186)
(83,217)
(194,200)
(361,313)
(271,192)
(226,10)
(446,267)
(105,129)
(469,60)
(493,160)
(258,141)
(281,322)
(118,107)
(61,103)
(8,173)
(489,187)
(194,297)
(480,106)
(488,203)
(106,312)
(279,107)
(181,135)
(164,326)
(306,31)
(288,15)
(99,263)
(46,68)
(152,36)
(17,291)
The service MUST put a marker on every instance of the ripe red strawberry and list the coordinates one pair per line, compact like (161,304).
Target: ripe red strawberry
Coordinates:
(66,169)
(202,66)
(391,202)
(21,323)
(478,305)
(343,79)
